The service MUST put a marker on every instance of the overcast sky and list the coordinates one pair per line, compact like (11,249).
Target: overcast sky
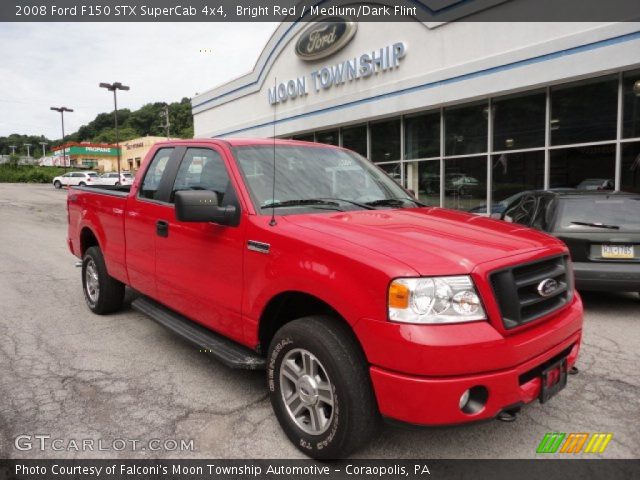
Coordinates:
(57,64)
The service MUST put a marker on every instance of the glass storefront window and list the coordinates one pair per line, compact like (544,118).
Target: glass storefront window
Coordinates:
(330,137)
(584,168)
(394,170)
(630,173)
(385,141)
(307,137)
(465,182)
(584,112)
(518,122)
(466,129)
(631,104)
(423,178)
(422,136)
(514,173)
(355,138)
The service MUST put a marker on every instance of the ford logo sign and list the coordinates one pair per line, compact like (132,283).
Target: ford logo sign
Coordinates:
(325,38)
(547,287)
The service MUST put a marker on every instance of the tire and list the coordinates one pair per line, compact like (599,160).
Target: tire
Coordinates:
(340,393)
(117,184)
(57,184)
(103,293)
(82,184)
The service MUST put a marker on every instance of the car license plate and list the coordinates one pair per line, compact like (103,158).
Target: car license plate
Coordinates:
(617,251)
(554,379)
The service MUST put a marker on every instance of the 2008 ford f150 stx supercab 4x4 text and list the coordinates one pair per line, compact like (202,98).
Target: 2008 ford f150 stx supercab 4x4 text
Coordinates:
(360,302)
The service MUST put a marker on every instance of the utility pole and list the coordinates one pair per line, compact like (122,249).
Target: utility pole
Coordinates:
(164,114)
(64,148)
(28,146)
(44,144)
(114,87)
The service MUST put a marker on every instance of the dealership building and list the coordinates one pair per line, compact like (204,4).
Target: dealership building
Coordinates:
(465,114)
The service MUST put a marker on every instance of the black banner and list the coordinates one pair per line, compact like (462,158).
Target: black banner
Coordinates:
(550,469)
(311,10)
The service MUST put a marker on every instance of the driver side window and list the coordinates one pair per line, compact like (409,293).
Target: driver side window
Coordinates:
(202,169)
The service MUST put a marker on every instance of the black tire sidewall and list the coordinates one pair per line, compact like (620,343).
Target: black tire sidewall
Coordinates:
(57,184)
(333,442)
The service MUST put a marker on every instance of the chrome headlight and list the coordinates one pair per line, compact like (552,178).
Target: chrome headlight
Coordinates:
(435,300)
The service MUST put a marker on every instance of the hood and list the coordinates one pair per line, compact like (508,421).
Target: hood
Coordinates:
(432,241)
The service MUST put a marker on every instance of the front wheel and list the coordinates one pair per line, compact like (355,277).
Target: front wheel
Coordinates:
(82,184)
(320,387)
(57,184)
(103,293)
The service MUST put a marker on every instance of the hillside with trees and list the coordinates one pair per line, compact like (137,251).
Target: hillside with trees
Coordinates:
(138,123)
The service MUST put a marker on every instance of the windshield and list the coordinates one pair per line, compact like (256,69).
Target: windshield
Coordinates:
(316,179)
(620,213)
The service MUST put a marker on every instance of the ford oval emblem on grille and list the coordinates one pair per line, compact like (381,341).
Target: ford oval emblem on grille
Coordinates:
(547,287)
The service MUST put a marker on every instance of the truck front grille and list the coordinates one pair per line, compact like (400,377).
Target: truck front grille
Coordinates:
(518,290)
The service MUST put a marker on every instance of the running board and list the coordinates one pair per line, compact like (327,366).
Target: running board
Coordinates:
(227,351)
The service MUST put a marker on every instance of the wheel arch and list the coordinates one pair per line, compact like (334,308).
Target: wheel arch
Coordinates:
(87,239)
(290,305)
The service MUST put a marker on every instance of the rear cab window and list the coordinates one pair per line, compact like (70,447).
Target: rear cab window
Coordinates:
(151,184)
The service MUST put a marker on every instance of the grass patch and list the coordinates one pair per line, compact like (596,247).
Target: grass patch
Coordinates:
(28,174)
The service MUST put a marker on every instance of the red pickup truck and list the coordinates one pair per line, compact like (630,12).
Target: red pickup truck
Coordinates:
(308,261)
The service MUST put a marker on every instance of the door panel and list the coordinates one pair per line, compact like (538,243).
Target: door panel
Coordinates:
(199,264)
(143,211)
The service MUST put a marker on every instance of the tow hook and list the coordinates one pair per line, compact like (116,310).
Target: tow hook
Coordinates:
(573,371)
(508,415)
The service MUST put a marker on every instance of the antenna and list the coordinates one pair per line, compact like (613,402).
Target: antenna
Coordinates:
(272,222)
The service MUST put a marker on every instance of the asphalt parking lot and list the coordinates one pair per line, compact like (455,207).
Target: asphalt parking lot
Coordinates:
(67,373)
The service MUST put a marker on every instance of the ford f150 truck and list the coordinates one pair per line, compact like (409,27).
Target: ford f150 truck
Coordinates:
(360,303)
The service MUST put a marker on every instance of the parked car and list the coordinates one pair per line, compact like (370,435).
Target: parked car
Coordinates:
(359,302)
(111,178)
(75,178)
(498,208)
(601,229)
(596,184)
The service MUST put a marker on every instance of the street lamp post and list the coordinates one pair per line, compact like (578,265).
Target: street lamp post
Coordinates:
(114,87)
(64,149)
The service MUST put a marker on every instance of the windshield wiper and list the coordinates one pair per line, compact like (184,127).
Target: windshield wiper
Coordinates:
(300,203)
(393,202)
(352,202)
(597,225)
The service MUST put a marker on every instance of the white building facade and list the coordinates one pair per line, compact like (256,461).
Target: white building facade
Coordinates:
(465,114)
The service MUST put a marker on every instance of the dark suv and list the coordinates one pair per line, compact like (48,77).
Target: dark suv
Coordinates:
(601,229)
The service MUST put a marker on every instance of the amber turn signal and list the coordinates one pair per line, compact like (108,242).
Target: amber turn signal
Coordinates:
(398,295)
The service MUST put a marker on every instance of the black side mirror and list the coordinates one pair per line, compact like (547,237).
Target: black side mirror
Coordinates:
(202,206)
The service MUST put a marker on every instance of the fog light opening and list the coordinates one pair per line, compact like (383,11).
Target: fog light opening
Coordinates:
(474,400)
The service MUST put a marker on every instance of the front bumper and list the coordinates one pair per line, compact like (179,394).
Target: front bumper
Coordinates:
(622,277)
(435,401)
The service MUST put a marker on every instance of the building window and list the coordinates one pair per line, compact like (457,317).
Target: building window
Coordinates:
(584,112)
(385,141)
(423,178)
(355,138)
(307,137)
(465,182)
(330,137)
(518,121)
(513,173)
(630,181)
(587,168)
(138,162)
(631,104)
(466,129)
(422,136)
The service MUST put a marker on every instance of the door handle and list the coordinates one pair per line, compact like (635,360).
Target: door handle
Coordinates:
(162,228)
